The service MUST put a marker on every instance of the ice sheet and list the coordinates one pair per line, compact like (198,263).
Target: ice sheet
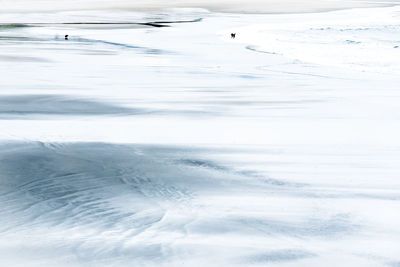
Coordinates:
(131,144)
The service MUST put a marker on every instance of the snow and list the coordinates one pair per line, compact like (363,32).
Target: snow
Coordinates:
(178,146)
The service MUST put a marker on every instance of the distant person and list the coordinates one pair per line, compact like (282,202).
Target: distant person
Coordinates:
(233,35)
(66,37)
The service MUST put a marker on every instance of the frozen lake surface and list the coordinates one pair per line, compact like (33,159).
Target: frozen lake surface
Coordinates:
(154,139)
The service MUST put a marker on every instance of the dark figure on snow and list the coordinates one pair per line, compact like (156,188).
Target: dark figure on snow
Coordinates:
(66,37)
(233,35)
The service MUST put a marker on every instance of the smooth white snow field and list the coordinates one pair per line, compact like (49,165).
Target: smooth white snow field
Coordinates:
(152,138)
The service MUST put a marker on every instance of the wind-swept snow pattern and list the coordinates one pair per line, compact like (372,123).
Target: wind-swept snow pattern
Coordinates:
(154,139)
(103,204)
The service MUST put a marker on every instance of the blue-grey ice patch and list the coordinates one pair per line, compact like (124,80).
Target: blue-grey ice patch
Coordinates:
(279,256)
(145,50)
(140,204)
(28,106)
(255,49)
(352,42)
(150,204)
(15,58)
(338,225)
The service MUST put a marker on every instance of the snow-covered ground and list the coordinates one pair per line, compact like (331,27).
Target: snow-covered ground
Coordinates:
(135,145)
